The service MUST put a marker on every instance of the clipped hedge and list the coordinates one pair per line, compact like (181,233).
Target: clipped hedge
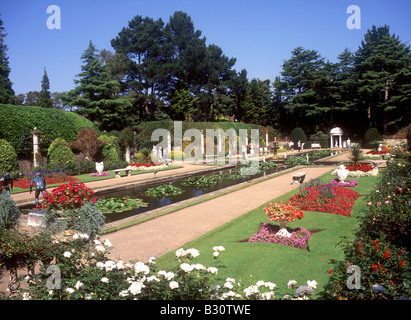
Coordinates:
(8,157)
(17,123)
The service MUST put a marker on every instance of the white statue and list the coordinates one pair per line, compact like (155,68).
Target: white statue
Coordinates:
(100,167)
(342,173)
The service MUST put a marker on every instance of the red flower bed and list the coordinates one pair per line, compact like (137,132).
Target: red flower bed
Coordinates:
(359,167)
(383,151)
(338,200)
(68,196)
(24,183)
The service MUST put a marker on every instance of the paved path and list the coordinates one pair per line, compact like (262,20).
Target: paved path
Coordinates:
(169,232)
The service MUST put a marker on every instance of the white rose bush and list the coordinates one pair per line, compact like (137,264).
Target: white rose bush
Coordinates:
(86,272)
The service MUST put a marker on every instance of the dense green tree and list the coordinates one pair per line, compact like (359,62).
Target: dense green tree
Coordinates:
(301,74)
(44,99)
(258,104)
(6,91)
(96,95)
(382,64)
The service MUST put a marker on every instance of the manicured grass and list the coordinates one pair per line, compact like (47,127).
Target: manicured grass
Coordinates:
(250,262)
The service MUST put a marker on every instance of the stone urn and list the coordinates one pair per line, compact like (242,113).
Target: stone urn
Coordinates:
(342,173)
(283,230)
(99,167)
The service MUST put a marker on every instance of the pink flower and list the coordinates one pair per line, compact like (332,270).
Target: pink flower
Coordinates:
(369,203)
(387,202)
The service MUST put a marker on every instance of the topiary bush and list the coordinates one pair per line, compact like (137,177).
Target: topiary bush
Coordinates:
(298,134)
(59,153)
(8,157)
(372,138)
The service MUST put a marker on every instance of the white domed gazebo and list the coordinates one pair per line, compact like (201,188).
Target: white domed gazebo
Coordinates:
(335,137)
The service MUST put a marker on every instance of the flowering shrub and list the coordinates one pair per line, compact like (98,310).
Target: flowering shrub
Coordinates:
(268,234)
(68,196)
(54,178)
(283,212)
(385,272)
(383,241)
(87,273)
(311,199)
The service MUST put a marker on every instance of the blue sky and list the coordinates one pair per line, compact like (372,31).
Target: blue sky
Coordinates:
(260,34)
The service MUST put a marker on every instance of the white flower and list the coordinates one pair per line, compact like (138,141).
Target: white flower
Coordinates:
(260,283)
(78,285)
(109,265)
(107,243)
(198,266)
(50,292)
(166,275)
(153,278)
(212,270)
(100,265)
(26,296)
(141,267)
(193,252)
(123,293)
(267,295)
(251,290)
(100,248)
(291,284)
(67,254)
(219,248)
(174,284)
(228,285)
(104,279)
(270,285)
(186,267)
(232,280)
(70,290)
(216,254)
(97,242)
(152,260)
(84,236)
(75,236)
(312,284)
(120,265)
(180,253)
(135,288)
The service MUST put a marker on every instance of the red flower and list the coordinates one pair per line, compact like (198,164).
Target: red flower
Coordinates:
(402,263)
(386,255)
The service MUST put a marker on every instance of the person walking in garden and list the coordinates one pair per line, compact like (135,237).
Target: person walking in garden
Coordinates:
(40,185)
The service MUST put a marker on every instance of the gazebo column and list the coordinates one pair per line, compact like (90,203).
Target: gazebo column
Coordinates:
(340,144)
(331,141)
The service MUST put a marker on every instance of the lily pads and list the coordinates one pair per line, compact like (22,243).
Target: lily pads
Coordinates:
(115,205)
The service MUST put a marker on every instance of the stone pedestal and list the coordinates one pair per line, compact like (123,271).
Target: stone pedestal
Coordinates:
(35,218)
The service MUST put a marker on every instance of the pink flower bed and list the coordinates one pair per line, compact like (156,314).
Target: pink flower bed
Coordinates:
(268,234)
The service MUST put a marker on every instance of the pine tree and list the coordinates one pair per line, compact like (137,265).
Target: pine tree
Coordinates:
(44,100)
(6,91)
(382,63)
(96,95)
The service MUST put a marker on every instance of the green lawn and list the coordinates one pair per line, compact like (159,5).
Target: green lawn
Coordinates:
(251,262)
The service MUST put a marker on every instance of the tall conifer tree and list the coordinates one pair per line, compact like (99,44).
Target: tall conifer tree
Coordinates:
(6,91)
